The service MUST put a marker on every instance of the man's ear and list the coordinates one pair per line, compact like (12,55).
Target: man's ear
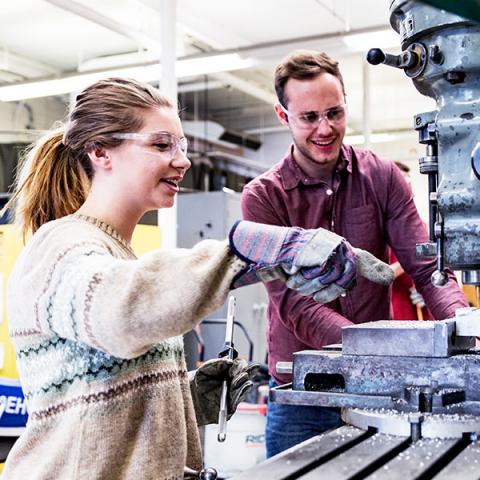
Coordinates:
(100,158)
(281,115)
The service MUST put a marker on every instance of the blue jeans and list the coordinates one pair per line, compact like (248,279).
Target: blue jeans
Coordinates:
(289,425)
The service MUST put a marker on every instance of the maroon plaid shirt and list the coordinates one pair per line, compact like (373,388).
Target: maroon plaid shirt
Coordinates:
(371,205)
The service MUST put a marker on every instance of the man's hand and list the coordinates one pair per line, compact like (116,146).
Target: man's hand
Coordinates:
(416,298)
(315,281)
(206,386)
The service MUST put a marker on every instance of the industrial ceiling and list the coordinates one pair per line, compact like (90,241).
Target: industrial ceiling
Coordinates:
(58,38)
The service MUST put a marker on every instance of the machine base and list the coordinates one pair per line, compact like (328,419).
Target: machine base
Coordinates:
(352,453)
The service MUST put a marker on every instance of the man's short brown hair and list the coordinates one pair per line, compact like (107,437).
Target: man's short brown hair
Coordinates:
(303,65)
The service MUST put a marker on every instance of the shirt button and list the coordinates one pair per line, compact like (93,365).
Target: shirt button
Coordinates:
(329,191)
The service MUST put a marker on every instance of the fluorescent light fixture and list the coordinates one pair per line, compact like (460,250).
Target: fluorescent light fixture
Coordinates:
(148,73)
(216,63)
(360,42)
(374,138)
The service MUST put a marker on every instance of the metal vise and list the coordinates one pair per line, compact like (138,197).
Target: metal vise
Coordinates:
(425,366)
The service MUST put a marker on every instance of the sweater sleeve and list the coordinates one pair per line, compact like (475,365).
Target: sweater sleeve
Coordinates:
(81,292)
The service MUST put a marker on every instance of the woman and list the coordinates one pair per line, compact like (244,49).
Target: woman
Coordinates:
(97,332)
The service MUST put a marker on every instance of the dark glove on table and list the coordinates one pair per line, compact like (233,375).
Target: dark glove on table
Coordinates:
(206,386)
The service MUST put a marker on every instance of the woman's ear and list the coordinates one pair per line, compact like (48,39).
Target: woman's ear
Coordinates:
(100,158)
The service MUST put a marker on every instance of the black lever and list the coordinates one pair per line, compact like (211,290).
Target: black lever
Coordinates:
(405,60)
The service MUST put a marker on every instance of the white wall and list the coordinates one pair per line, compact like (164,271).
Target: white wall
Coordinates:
(15,117)
(273,149)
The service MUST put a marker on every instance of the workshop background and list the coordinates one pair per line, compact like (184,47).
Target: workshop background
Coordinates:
(218,56)
(226,53)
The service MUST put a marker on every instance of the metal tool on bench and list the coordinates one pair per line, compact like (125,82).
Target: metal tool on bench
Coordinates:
(229,352)
(410,393)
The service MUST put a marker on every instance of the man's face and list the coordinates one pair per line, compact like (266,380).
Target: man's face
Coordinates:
(316,146)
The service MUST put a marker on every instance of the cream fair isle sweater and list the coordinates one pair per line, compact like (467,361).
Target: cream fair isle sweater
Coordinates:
(97,335)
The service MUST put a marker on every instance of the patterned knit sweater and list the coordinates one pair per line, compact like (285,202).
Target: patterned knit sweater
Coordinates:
(97,337)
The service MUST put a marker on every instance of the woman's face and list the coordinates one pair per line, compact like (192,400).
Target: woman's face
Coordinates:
(151,163)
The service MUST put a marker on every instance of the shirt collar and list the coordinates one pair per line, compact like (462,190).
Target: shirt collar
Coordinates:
(292,175)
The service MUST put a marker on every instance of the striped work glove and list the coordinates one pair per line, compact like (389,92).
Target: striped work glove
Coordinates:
(316,263)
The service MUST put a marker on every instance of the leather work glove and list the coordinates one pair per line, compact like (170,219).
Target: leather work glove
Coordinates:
(311,282)
(315,262)
(206,386)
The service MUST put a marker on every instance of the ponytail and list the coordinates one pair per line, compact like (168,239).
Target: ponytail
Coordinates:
(50,184)
(55,175)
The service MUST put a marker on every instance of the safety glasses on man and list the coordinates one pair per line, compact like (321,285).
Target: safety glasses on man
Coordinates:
(310,119)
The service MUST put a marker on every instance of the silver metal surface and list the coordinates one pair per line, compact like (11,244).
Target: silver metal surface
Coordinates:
(228,352)
(405,382)
(348,453)
(439,278)
(284,368)
(394,423)
(418,413)
(357,459)
(305,455)
(467,322)
(204,474)
(385,421)
(403,338)
(450,75)
(449,426)
(284,394)
(466,465)
(414,461)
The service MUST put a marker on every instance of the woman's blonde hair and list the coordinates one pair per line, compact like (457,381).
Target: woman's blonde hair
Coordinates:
(54,175)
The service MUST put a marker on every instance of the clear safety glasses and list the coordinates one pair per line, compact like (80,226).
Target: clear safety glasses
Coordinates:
(307,120)
(164,144)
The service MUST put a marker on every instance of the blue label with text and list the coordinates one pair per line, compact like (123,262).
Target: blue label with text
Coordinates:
(13,408)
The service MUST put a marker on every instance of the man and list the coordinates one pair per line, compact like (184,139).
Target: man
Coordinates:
(323,183)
